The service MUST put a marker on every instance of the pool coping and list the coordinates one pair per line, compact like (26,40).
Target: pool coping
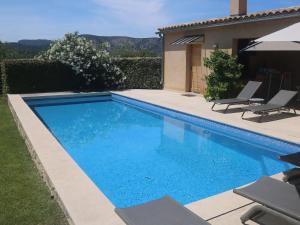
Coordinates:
(73,189)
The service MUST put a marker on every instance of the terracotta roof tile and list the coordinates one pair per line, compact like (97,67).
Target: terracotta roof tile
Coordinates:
(228,19)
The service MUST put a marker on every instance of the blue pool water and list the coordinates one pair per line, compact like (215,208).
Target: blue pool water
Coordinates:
(134,155)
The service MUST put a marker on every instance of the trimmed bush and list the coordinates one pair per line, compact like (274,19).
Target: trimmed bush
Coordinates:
(34,76)
(141,73)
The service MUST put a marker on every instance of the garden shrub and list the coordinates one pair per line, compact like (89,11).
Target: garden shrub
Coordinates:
(33,76)
(2,77)
(90,62)
(224,80)
(141,73)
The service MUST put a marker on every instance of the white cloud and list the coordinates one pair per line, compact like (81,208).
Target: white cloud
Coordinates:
(137,18)
(143,14)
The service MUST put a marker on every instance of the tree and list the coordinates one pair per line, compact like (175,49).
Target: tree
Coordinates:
(86,60)
(2,51)
(7,52)
(128,51)
(224,79)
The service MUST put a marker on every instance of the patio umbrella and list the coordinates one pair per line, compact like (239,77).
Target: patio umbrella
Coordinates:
(287,39)
(288,34)
(272,46)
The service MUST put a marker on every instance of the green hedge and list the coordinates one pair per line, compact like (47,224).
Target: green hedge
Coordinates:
(141,73)
(33,76)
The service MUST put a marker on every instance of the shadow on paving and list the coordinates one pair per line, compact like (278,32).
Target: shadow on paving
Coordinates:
(230,110)
(272,117)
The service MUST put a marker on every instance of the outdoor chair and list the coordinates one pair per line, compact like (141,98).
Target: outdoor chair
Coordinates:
(164,211)
(280,202)
(292,176)
(293,158)
(243,98)
(278,103)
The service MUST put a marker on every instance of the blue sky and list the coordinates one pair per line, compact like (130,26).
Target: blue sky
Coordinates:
(50,19)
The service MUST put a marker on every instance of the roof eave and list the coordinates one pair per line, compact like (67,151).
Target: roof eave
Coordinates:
(226,23)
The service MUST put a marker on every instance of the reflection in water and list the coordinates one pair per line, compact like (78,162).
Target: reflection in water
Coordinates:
(179,131)
(134,156)
(173,129)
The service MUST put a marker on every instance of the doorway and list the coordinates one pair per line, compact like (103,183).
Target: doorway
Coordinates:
(196,82)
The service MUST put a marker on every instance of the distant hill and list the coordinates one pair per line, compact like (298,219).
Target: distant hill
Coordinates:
(119,45)
(39,43)
(28,48)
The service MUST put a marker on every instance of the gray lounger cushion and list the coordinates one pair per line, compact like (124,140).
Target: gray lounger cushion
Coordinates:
(247,93)
(249,90)
(164,211)
(274,194)
(230,101)
(283,97)
(280,100)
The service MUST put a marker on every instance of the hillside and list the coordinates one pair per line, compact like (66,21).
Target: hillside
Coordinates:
(28,48)
(119,43)
(119,46)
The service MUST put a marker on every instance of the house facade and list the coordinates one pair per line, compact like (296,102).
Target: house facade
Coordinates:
(186,45)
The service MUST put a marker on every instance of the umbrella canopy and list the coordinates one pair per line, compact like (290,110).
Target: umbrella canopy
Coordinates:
(291,33)
(287,39)
(273,46)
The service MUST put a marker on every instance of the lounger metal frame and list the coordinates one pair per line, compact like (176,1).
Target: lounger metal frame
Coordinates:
(278,103)
(264,215)
(264,113)
(279,203)
(246,102)
(243,98)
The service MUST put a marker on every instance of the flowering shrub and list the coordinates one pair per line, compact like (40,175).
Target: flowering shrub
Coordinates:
(87,61)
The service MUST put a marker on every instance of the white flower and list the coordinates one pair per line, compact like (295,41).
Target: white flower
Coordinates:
(82,56)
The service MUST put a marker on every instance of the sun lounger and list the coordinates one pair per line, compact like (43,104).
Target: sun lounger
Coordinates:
(291,158)
(279,200)
(263,215)
(243,98)
(292,176)
(277,103)
(164,211)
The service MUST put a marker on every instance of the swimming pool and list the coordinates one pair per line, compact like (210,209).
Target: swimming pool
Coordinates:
(136,152)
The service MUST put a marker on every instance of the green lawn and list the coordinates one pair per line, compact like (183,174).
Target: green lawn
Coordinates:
(24,197)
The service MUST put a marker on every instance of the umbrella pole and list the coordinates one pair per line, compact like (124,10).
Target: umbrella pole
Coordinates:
(269,87)
(281,81)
